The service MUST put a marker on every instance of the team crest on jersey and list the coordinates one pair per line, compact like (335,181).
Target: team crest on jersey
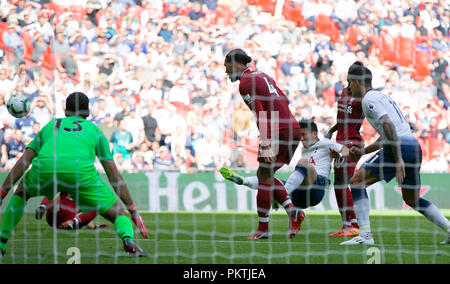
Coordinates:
(248,99)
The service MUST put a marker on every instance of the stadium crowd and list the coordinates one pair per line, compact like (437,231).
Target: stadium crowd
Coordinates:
(154,73)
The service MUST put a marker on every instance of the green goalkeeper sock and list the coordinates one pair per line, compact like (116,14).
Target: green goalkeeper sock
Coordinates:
(124,228)
(12,216)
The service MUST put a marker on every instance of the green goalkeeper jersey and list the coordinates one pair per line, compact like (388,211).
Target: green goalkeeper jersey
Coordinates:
(69,145)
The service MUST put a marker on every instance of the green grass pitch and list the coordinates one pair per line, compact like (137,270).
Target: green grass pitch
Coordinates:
(221,238)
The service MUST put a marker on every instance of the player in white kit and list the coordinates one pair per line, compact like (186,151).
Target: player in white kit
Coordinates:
(400,156)
(307,183)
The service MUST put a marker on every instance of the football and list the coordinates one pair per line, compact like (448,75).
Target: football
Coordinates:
(18,106)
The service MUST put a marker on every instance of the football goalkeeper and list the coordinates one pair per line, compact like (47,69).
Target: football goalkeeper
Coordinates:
(62,155)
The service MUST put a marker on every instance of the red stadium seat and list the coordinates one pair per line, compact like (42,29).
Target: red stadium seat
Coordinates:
(28,43)
(3,29)
(292,11)
(406,48)
(268,6)
(329,96)
(352,35)
(48,59)
(326,25)
(388,48)
(223,12)
(422,59)
(57,9)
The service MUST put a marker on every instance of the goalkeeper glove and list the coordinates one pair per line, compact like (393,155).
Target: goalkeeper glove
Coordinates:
(3,193)
(137,220)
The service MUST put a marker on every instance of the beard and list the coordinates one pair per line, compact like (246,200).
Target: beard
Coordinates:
(234,76)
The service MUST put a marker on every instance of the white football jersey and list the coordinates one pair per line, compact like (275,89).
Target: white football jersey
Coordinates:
(376,104)
(318,155)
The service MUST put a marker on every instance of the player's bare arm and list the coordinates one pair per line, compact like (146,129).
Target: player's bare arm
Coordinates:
(355,152)
(330,132)
(121,188)
(19,169)
(345,152)
(117,182)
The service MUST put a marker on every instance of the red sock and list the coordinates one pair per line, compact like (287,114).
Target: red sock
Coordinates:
(350,212)
(263,204)
(341,199)
(85,218)
(281,195)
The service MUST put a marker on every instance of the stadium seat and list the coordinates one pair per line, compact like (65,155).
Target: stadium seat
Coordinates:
(406,48)
(3,28)
(28,43)
(48,60)
(352,35)
(223,12)
(292,11)
(388,48)
(57,9)
(268,6)
(329,96)
(326,25)
(422,59)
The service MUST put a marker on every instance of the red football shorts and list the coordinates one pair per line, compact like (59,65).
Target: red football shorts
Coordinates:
(288,143)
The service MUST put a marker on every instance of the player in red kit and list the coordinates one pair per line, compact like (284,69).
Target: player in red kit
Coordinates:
(349,119)
(279,137)
(68,216)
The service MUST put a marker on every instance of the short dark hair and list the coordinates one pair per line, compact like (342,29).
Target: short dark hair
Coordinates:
(239,56)
(357,71)
(77,104)
(308,124)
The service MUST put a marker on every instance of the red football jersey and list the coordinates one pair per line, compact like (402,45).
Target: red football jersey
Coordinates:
(349,118)
(267,101)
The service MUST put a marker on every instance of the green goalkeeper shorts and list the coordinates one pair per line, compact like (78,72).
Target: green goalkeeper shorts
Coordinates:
(89,192)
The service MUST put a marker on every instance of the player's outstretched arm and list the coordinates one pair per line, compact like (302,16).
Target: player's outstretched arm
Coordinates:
(121,188)
(17,172)
(355,152)
(330,132)
(345,152)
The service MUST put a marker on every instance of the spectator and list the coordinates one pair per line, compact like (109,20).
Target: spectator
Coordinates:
(12,40)
(287,65)
(323,84)
(42,109)
(172,10)
(135,125)
(151,129)
(440,43)
(107,126)
(13,147)
(69,63)
(163,160)
(122,141)
(61,45)
(196,12)
(304,82)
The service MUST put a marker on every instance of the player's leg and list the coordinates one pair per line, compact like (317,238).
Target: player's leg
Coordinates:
(96,194)
(358,183)
(12,216)
(124,229)
(411,196)
(345,202)
(264,196)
